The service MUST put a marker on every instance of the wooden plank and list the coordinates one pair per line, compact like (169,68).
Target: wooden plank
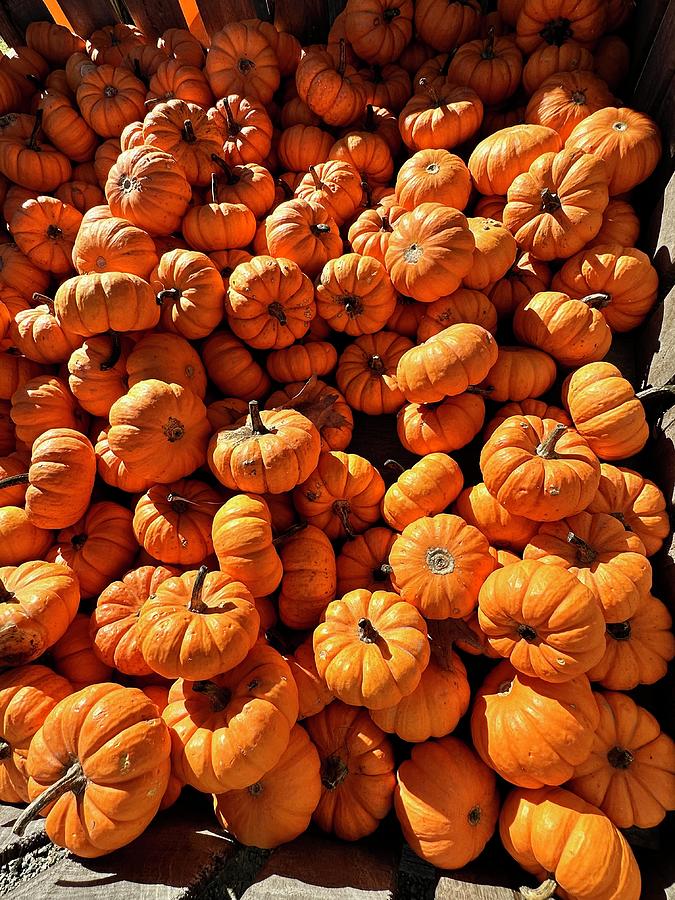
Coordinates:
(217,14)
(656,78)
(309,21)
(86,17)
(643,29)
(16,15)
(194,21)
(155,16)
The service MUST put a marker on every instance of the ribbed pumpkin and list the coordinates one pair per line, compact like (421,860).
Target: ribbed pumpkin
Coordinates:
(308,583)
(364,562)
(425,489)
(242,540)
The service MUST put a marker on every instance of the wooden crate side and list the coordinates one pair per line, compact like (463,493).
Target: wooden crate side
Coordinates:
(16,15)
(155,16)
(86,17)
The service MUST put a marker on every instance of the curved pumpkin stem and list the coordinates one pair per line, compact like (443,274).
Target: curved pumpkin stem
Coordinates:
(547,447)
(394,466)
(196,603)
(342,61)
(285,188)
(285,535)
(42,299)
(545,891)
(257,424)
(368,194)
(232,126)
(342,509)
(33,139)
(188,132)
(598,300)
(115,352)
(219,696)
(214,187)
(230,177)
(315,177)
(489,45)
(13,480)
(585,553)
(167,294)
(430,91)
(485,392)
(73,780)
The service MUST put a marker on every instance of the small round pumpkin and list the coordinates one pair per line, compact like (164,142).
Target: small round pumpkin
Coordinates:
(425,489)
(243,543)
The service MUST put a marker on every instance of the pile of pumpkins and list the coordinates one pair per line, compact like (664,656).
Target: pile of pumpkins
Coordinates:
(212,261)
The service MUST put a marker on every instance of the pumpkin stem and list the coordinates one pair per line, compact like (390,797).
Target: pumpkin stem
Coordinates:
(115,352)
(276,309)
(230,177)
(479,391)
(5,595)
(431,91)
(42,299)
(315,176)
(232,126)
(178,504)
(547,447)
(13,480)
(255,789)
(527,633)
(214,187)
(545,891)
(278,640)
(342,509)
(557,31)
(368,194)
(550,201)
(367,631)
(319,228)
(73,780)
(585,553)
(620,758)
(440,561)
(394,467)
(169,293)
(33,139)
(382,572)
(620,516)
(196,604)
(475,813)
(285,535)
(370,118)
(620,631)
(489,45)
(257,425)
(5,749)
(445,68)
(285,189)
(333,772)
(376,365)
(598,300)
(386,224)
(188,132)
(389,14)
(342,60)
(219,696)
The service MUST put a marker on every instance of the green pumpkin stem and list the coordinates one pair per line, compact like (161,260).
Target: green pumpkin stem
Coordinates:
(73,780)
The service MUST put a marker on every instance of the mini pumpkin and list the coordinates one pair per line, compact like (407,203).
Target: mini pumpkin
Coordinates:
(363,563)
(425,489)
(302,231)
(243,543)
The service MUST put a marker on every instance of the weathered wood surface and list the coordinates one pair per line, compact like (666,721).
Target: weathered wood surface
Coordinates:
(85,16)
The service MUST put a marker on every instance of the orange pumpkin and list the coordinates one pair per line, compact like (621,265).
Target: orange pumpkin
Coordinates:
(45,230)
(366,372)
(519,373)
(364,562)
(241,61)
(567,98)
(184,131)
(111,301)
(502,528)
(74,657)
(499,158)
(109,98)
(169,358)
(445,115)
(462,306)
(43,403)
(246,128)
(300,361)
(526,408)
(335,186)
(97,373)
(113,245)
(354,294)
(329,85)
(440,427)
(491,67)
(494,253)
(243,543)
(22,541)
(190,293)
(426,489)
(232,369)
(303,232)
(369,233)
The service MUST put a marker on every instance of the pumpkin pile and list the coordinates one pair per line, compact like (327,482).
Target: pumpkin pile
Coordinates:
(218,265)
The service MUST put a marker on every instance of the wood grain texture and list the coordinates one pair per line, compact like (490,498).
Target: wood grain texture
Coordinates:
(215,15)
(155,16)
(310,21)
(16,15)
(86,17)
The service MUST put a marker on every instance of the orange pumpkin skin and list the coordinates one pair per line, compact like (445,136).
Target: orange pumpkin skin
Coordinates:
(98,547)
(242,540)
(246,127)
(335,186)
(573,331)
(189,290)
(278,807)
(366,372)
(22,540)
(45,230)
(538,23)
(547,623)
(638,650)
(433,176)
(502,156)
(623,277)
(241,60)
(538,826)
(111,301)
(434,708)
(174,80)
(247,712)
(331,88)
(313,695)
(173,522)
(218,226)
(462,306)
(525,278)
(308,584)
(363,563)
(605,410)
(18,272)
(491,67)
(531,732)
(43,403)
(113,471)
(430,250)
(354,294)
(321,404)
(628,142)
(447,363)
(127,722)
(494,253)
(169,358)
(342,496)
(630,773)
(378,30)
(529,407)
(357,771)
(60,478)
(605,557)
(444,26)
(371,648)
(115,627)
(301,361)
(302,146)
(425,489)
(66,128)
(232,369)
(146,187)
(439,564)
(446,802)
(539,469)
(440,427)
(544,211)
(109,98)
(502,529)
(74,656)
(113,245)
(567,98)
(304,233)
(36,333)
(41,600)
(369,233)
(152,415)
(97,374)
(199,647)
(443,115)
(183,130)
(635,501)
(519,373)
(548,59)
(33,164)
(270,302)
(54,42)
(27,695)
